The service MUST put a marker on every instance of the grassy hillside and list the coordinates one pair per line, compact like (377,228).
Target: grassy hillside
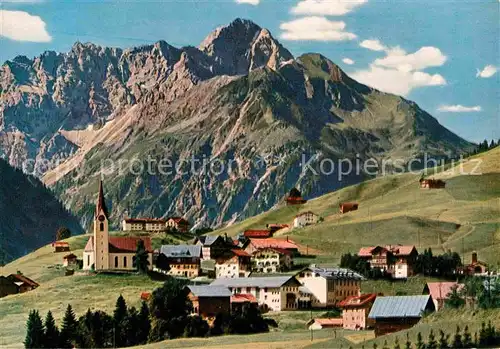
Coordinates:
(393,209)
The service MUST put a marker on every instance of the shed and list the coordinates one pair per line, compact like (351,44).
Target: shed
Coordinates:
(319,324)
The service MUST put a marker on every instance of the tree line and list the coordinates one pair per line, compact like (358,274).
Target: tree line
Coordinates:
(484,294)
(167,315)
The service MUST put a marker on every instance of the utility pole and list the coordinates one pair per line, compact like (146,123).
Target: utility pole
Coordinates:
(312,336)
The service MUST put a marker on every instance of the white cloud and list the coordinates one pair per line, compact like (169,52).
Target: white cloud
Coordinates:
(250,2)
(487,71)
(326,7)
(315,28)
(374,45)
(396,81)
(425,57)
(348,61)
(459,108)
(21,26)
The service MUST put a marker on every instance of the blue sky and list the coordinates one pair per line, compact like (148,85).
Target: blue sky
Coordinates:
(442,54)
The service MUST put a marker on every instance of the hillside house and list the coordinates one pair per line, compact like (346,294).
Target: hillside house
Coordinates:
(305,218)
(208,300)
(70,260)
(345,207)
(275,293)
(476,267)
(234,264)
(7,286)
(274,227)
(330,285)
(103,252)
(432,183)
(253,245)
(439,291)
(183,260)
(212,246)
(179,224)
(397,313)
(272,260)
(23,283)
(60,246)
(257,234)
(295,197)
(397,260)
(144,224)
(355,311)
(319,324)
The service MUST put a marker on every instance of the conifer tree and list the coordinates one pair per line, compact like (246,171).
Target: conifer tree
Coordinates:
(443,340)
(457,339)
(408,341)
(431,341)
(119,315)
(144,324)
(68,329)
(466,338)
(396,343)
(420,343)
(34,331)
(141,261)
(51,338)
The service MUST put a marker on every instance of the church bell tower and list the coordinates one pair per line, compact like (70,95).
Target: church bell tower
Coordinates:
(101,233)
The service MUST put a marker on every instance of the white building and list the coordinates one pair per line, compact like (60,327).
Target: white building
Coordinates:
(103,252)
(330,285)
(144,224)
(305,218)
(277,293)
(271,260)
(234,264)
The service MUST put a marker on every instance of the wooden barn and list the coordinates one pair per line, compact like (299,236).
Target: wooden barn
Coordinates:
(348,207)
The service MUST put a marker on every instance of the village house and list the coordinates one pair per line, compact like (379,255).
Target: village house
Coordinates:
(275,293)
(103,252)
(345,207)
(60,246)
(253,245)
(272,260)
(397,313)
(319,324)
(355,311)
(213,246)
(208,300)
(295,197)
(7,286)
(144,224)
(476,267)
(439,291)
(432,183)
(235,263)
(179,224)
(257,234)
(305,218)
(329,285)
(238,301)
(23,283)
(183,260)
(70,260)
(397,260)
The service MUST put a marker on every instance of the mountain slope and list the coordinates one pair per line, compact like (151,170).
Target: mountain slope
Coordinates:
(29,214)
(240,98)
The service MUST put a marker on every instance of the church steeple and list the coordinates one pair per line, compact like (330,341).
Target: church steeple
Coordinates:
(101,203)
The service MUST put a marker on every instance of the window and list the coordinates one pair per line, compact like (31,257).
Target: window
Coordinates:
(101,226)
(116,261)
(124,261)
(88,259)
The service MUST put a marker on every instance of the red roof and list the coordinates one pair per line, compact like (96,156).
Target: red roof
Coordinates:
(23,279)
(178,220)
(348,204)
(240,253)
(60,244)
(357,302)
(243,298)
(275,249)
(397,250)
(257,233)
(121,244)
(365,251)
(440,290)
(274,243)
(145,220)
(334,322)
(145,296)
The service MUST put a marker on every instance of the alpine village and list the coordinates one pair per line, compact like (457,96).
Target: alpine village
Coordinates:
(265,258)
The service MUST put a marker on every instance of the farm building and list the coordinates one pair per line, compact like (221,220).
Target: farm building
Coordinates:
(348,207)
(432,183)
(319,324)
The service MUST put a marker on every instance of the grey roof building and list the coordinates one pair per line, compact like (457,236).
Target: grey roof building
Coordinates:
(173,251)
(262,282)
(210,291)
(336,273)
(401,307)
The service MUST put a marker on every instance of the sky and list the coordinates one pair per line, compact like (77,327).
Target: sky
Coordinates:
(442,54)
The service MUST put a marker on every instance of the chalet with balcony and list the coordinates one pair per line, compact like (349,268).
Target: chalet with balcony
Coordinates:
(182,260)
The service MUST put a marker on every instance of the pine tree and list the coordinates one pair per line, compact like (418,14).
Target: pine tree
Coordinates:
(408,341)
(51,338)
(431,341)
(68,329)
(457,339)
(443,340)
(420,342)
(396,343)
(34,331)
(119,315)
(144,324)
(467,340)
(141,261)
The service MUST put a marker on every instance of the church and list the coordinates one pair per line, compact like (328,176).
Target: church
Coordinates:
(103,252)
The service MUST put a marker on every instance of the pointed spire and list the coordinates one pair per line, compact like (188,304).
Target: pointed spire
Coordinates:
(101,202)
